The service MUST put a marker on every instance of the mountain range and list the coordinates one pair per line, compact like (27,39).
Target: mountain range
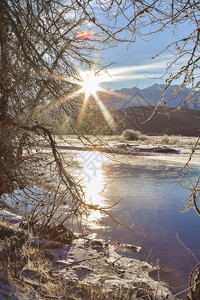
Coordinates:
(132,107)
(128,97)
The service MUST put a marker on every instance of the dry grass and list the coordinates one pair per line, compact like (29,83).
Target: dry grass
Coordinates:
(132,135)
(26,274)
(137,291)
(24,268)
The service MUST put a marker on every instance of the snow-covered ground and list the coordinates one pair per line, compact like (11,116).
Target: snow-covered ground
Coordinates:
(96,266)
(150,146)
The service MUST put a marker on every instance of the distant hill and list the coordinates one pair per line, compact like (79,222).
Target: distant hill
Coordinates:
(132,107)
(164,121)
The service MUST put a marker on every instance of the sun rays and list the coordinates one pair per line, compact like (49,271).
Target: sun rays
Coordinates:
(89,91)
(91,88)
(87,88)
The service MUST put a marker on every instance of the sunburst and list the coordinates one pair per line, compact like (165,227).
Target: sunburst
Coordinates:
(89,86)
(90,83)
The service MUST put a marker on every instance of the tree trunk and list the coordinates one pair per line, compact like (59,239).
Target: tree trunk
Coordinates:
(6,149)
(4,62)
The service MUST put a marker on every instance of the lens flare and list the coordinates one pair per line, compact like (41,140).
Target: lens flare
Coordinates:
(85,34)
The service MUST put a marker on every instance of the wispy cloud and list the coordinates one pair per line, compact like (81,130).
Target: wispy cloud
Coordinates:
(138,68)
(133,76)
(156,69)
(124,73)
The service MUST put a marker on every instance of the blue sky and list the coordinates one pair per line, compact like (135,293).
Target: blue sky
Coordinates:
(134,66)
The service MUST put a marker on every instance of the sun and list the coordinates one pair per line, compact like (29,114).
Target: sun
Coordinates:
(90,84)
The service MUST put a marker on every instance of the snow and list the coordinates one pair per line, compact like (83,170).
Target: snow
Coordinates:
(10,217)
(93,263)
(97,263)
(114,145)
(180,155)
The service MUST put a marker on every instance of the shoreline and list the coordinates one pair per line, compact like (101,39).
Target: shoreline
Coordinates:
(95,266)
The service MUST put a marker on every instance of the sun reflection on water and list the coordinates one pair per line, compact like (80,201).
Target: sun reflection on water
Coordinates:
(93,183)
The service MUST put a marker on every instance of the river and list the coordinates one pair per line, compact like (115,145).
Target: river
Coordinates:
(150,201)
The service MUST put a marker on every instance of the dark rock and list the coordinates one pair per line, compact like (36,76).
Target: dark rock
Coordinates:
(165,150)
(96,243)
(8,232)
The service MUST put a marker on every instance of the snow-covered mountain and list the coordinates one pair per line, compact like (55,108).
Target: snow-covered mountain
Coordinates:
(128,97)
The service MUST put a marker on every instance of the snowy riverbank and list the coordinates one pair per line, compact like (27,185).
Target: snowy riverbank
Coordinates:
(92,266)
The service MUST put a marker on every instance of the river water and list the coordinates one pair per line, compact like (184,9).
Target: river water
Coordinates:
(151,202)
